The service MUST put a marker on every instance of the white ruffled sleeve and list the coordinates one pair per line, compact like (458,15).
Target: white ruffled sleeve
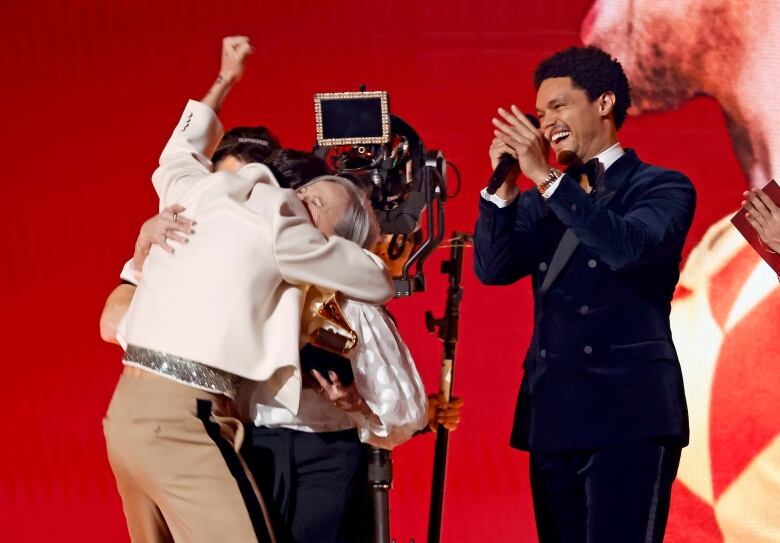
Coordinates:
(386,377)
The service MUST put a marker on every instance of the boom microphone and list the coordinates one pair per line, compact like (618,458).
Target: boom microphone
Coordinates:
(506,163)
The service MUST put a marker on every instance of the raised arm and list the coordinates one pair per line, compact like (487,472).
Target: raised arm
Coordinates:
(186,159)
(235,51)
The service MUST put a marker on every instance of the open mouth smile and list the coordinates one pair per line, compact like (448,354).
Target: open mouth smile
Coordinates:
(559,136)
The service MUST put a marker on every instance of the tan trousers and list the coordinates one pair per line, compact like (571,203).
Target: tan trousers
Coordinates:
(172,449)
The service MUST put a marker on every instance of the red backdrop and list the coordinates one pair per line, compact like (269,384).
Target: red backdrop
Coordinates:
(90,92)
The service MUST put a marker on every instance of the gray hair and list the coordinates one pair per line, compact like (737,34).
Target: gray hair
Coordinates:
(359,223)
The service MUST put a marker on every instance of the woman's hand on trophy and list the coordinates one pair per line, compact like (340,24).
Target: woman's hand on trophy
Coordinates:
(345,398)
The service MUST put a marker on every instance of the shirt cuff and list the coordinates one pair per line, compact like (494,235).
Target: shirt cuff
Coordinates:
(130,274)
(496,199)
(551,189)
(368,427)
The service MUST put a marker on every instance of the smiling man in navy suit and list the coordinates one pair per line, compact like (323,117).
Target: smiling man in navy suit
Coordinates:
(601,406)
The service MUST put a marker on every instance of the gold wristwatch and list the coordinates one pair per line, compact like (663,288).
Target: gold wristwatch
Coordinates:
(554,174)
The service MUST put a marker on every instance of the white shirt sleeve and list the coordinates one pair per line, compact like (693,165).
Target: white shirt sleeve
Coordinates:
(130,274)
(387,379)
(500,202)
(186,161)
(496,199)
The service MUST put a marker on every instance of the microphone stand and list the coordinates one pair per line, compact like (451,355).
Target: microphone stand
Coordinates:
(448,333)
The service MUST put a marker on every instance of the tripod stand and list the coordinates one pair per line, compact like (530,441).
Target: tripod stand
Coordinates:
(448,334)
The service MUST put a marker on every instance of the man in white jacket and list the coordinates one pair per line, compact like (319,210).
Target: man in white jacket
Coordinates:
(223,310)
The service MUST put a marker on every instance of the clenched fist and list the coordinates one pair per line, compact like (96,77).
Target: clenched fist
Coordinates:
(235,51)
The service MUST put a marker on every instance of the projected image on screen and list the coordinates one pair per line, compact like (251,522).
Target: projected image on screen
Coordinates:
(352,118)
(725,309)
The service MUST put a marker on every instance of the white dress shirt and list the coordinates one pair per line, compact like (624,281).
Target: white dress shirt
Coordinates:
(607,157)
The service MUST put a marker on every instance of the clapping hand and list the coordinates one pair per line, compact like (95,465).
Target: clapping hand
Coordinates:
(526,142)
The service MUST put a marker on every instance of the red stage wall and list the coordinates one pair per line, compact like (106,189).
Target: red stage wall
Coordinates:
(91,91)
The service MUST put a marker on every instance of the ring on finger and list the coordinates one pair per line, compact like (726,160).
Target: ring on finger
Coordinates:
(175,217)
(319,390)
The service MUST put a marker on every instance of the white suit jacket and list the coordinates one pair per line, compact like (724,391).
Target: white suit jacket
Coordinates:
(229,298)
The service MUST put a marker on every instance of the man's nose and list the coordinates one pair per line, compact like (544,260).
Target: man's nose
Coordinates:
(547,126)
(548,121)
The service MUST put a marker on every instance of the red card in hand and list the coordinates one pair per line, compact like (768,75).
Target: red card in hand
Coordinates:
(772,189)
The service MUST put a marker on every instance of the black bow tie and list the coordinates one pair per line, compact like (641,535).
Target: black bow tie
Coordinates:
(591,168)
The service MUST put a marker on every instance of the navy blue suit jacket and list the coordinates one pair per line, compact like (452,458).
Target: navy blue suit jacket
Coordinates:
(601,369)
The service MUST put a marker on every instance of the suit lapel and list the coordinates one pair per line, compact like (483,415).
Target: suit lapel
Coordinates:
(613,180)
(616,176)
(563,252)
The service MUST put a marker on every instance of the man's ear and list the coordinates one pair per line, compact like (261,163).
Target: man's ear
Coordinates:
(606,103)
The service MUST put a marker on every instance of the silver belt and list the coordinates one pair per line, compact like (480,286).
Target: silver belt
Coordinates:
(184,370)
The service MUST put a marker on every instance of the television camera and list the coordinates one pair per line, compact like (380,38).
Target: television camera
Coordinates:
(360,139)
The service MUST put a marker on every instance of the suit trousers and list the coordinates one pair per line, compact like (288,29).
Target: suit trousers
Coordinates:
(315,484)
(172,449)
(613,495)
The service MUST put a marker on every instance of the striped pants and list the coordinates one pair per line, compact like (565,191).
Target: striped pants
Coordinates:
(173,450)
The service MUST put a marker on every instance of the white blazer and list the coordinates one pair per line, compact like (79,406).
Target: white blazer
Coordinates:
(229,298)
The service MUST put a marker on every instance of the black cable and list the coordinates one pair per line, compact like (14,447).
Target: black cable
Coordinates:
(457,174)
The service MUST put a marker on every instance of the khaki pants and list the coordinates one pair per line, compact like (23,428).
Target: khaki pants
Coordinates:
(172,449)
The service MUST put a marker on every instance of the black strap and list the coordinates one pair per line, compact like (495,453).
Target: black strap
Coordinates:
(237,471)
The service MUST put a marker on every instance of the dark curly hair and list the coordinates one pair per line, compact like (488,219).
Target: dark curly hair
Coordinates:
(293,168)
(247,143)
(591,70)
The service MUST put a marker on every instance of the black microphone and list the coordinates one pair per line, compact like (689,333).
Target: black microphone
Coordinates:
(506,163)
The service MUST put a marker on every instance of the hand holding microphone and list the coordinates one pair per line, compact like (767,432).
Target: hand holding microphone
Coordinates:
(505,167)
(518,142)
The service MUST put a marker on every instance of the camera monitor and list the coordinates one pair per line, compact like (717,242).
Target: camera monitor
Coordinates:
(352,118)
